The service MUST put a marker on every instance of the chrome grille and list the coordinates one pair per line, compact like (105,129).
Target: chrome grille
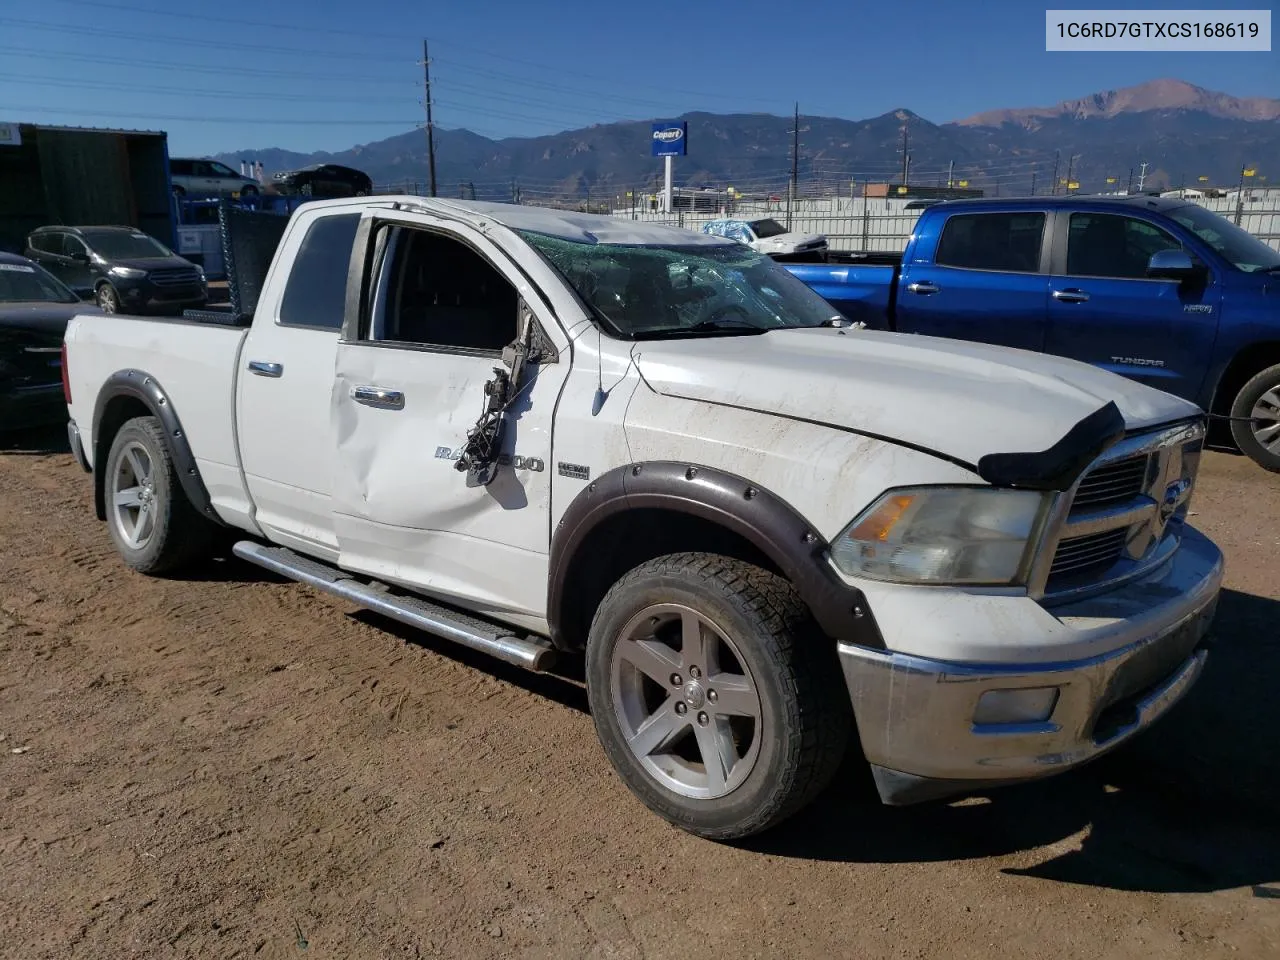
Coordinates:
(1113,483)
(1123,517)
(175,277)
(1077,556)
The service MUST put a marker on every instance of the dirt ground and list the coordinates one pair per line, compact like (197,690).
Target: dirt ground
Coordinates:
(233,766)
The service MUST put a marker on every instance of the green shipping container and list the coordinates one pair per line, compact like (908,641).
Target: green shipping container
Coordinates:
(77,177)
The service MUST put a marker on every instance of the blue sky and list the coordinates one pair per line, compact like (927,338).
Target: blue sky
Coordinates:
(328,74)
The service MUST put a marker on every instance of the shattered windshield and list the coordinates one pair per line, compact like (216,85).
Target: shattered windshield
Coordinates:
(644,292)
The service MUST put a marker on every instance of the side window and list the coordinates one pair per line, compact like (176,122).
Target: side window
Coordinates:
(437,291)
(1009,242)
(71,246)
(180,168)
(46,243)
(200,168)
(1107,245)
(316,292)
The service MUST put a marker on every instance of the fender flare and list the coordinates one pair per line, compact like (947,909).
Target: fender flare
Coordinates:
(140,385)
(738,505)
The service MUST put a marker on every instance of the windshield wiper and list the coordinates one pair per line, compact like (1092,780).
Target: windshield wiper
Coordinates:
(705,327)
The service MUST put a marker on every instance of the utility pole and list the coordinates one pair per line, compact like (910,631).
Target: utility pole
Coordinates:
(795,163)
(431,136)
(1033,183)
(951,166)
(1142,177)
(1240,195)
(1071,162)
(1129,186)
(1057,156)
(906,157)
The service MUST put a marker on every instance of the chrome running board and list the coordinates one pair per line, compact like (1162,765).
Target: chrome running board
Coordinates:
(414,611)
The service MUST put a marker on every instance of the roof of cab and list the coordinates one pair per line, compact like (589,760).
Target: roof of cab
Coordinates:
(1073,200)
(566,224)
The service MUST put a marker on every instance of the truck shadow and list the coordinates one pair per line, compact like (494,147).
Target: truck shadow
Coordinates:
(35,441)
(1187,807)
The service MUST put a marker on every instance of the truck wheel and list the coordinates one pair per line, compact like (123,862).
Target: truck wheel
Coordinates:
(152,523)
(714,694)
(1255,423)
(107,298)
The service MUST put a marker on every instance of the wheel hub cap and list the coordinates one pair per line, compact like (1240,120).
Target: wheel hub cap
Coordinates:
(685,701)
(694,695)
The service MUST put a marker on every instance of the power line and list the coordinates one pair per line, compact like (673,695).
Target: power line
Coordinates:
(153,64)
(186,41)
(557,68)
(175,116)
(35,80)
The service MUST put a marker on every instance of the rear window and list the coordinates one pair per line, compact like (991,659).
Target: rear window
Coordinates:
(316,294)
(1008,242)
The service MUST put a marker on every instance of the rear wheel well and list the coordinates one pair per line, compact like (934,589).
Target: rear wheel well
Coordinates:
(117,412)
(624,541)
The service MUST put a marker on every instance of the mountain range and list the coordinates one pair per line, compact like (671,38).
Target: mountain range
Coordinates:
(1181,131)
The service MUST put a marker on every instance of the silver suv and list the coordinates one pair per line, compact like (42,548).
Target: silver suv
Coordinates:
(209,178)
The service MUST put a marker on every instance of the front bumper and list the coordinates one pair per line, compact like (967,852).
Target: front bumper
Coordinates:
(143,296)
(916,716)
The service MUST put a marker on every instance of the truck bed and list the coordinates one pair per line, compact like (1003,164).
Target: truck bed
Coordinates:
(863,288)
(195,361)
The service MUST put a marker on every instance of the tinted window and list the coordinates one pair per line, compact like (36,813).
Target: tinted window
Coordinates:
(72,245)
(222,170)
(1243,249)
(440,292)
(316,293)
(992,241)
(180,168)
(47,242)
(1105,245)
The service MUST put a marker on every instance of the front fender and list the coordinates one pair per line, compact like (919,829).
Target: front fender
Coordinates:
(732,502)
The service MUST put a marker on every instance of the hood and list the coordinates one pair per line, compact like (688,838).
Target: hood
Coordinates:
(961,400)
(151,263)
(48,318)
(791,241)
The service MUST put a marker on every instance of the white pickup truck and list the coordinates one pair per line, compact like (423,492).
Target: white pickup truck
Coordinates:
(771,533)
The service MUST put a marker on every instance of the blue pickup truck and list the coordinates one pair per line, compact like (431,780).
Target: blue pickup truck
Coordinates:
(1160,290)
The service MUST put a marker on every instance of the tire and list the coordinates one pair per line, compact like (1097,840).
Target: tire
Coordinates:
(249,192)
(107,298)
(1255,423)
(159,531)
(643,691)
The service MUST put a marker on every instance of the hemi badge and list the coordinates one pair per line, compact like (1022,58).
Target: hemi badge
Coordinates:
(575,471)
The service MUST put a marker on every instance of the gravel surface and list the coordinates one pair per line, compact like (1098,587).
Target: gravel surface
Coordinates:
(235,766)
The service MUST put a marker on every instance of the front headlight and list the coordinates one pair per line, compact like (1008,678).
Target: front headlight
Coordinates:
(937,535)
(127,273)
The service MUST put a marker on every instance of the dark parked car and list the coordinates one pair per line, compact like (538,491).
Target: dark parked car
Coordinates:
(121,268)
(324,180)
(34,309)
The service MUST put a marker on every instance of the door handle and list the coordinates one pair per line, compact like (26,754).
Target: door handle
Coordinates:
(265,368)
(378,397)
(923,287)
(1071,295)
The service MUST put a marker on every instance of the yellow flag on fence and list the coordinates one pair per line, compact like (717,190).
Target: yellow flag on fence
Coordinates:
(1073,185)
(1204,179)
(902,189)
(1249,171)
(1111,179)
(964,183)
